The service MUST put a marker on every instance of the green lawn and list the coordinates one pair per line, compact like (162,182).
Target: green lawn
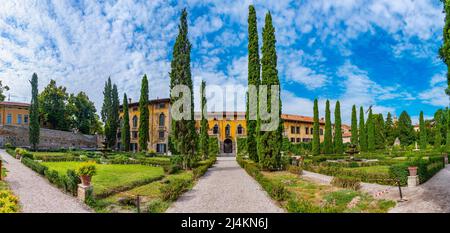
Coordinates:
(371,169)
(51,153)
(111,175)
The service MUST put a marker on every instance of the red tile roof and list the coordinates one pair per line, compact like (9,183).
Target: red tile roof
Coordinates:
(300,118)
(17,104)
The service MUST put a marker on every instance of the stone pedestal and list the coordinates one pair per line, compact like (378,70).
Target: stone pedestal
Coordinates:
(413,181)
(84,192)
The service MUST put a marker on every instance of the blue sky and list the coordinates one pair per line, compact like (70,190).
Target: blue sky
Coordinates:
(381,53)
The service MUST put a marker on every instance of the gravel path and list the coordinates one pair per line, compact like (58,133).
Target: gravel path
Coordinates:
(431,197)
(225,188)
(36,194)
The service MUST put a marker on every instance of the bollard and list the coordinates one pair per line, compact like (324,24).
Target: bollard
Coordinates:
(138,204)
(400,191)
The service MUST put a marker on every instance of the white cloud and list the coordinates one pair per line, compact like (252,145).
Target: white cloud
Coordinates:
(435,95)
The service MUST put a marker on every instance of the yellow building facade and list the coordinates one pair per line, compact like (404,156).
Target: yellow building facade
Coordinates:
(14,113)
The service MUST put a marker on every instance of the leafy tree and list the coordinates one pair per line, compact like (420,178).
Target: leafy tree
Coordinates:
(380,140)
(370,131)
(354,127)
(338,143)
(253,79)
(183,137)
(34,113)
(405,129)
(389,130)
(270,142)
(82,113)
(3,89)
(316,136)
(144,116)
(204,137)
(422,132)
(327,140)
(125,131)
(52,104)
(444,50)
(362,131)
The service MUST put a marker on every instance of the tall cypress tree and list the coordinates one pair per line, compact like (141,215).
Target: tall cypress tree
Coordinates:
(114,117)
(447,139)
(144,115)
(106,110)
(389,130)
(269,147)
(354,128)
(362,131)
(379,131)
(437,130)
(338,143)
(204,138)
(370,132)
(184,136)
(125,131)
(34,114)
(253,79)
(316,136)
(422,132)
(327,139)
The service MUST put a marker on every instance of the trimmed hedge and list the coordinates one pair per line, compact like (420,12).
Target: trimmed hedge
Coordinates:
(174,188)
(115,190)
(426,168)
(35,166)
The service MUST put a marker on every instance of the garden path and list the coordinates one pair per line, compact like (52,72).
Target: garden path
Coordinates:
(225,188)
(36,194)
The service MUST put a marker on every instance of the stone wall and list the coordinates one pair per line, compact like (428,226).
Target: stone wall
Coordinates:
(49,139)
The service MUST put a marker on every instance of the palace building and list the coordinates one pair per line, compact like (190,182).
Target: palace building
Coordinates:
(14,114)
(226,126)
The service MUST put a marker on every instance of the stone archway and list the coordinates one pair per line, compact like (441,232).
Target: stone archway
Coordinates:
(228,146)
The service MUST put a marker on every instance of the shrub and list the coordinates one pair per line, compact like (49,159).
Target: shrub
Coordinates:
(8,202)
(114,190)
(294,169)
(176,160)
(72,181)
(172,190)
(9,146)
(157,206)
(35,166)
(23,153)
(346,182)
(305,206)
(200,171)
(120,159)
(87,169)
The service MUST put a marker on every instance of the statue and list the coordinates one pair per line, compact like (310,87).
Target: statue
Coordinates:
(397,142)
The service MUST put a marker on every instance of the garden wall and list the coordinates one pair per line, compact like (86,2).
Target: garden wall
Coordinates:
(49,139)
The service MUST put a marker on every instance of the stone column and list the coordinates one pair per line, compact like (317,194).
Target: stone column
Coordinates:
(84,192)
(413,181)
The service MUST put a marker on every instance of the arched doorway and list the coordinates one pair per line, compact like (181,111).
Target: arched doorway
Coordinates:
(228,146)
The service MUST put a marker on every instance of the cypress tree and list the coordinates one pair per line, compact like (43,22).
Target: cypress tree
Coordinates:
(405,129)
(338,143)
(389,130)
(34,126)
(362,131)
(144,115)
(106,111)
(125,131)
(253,79)
(437,131)
(114,117)
(447,142)
(379,131)
(327,141)
(204,138)
(316,136)
(270,142)
(423,132)
(354,127)
(184,136)
(370,132)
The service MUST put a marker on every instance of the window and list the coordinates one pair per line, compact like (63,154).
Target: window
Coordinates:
(161,148)
(307,130)
(9,119)
(161,134)
(297,130)
(19,119)
(135,121)
(135,134)
(298,139)
(292,129)
(311,130)
(292,139)
(25,119)
(216,129)
(306,139)
(227,130)
(321,131)
(162,120)
(239,129)
(161,105)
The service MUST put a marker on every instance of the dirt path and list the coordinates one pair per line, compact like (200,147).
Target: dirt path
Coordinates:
(225,188)
(36,194)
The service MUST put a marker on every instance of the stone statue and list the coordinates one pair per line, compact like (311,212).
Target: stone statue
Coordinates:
(397,142)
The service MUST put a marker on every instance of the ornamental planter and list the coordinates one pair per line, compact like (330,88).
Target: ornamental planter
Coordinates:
(85,180)
(412,171)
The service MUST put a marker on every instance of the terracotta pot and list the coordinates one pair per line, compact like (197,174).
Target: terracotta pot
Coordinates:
(412,171)
(85,180)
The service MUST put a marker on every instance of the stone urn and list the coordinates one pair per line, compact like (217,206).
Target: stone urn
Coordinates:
(412,171)
(85,180)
